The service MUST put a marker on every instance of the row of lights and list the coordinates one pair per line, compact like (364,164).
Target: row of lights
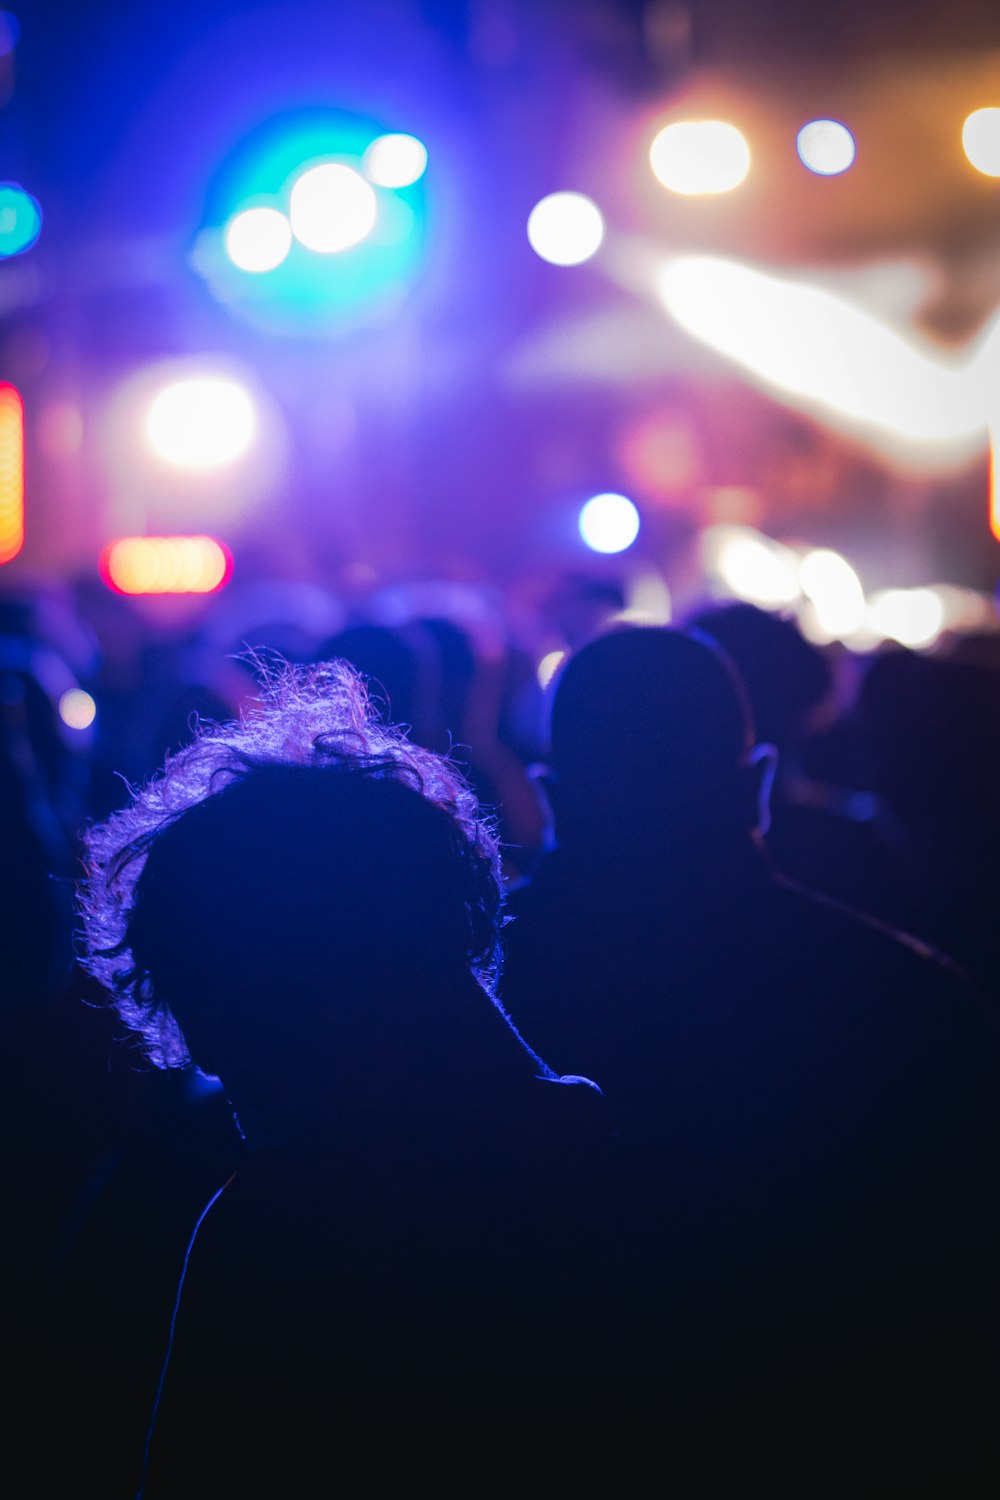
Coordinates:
(331,206)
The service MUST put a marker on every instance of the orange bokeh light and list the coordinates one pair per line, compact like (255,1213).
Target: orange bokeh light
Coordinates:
(11,472)
(166,565)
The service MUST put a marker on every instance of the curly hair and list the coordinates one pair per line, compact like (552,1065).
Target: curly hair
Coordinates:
(307,812)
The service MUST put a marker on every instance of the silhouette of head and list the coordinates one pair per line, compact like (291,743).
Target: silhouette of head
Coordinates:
(651,738)
(281,872)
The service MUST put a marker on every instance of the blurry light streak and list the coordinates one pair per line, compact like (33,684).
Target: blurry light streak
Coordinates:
(258,239)
(11,472)
(826,147)
(835,357)
(331,208)
(201,422)
(395,161)
(752,566)
(981,140)
(565,229)
(700,157)
(166,565)
(609,523)
(77,709)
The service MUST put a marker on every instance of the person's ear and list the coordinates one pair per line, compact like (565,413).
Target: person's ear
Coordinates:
(761,765)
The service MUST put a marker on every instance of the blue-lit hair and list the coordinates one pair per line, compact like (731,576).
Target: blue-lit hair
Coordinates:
(309,831)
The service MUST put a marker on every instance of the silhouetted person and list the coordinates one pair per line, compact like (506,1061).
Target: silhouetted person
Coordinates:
(309,905)
(804,1101)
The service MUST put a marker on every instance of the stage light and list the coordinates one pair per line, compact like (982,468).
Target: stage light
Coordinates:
(395,161)
(609,523)
(11,473)
(695,157)
(331,208)
(202,422)
(828,353)
(751,566)
(834,589)
(166,565)
(20,220)
(981,140)
(565,229)
(258,239)
(549,666)
(913,617)
(77,709)
(826,147)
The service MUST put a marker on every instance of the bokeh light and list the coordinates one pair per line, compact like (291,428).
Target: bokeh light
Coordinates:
(11,473)
(202,422)
(258,239)
(565,228)
(395,161)
(913,617)
(10,32)
(549,666)
(20,219)
(826,147)
(834,590)
(331,208)
(77,709)
(751,566)
(981,140)
(609,523)
(695,157)
(166,565)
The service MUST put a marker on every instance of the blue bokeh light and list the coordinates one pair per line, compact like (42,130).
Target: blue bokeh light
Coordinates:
(20,220)
(609,523)
(308,293)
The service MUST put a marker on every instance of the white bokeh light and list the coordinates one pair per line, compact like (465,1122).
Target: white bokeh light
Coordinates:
(258,239)
(826,147)
(981,140)
(609,523)
(913,617)
(77,709)
(751,566)
(201,422)
(565,228)
(696,157)
(549,666)
(331,208)
(834,590)
(395,161)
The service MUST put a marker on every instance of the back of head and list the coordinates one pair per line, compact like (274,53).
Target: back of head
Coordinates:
(650,727)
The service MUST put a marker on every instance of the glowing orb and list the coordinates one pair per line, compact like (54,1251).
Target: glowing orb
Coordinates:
(700,156)
(166,565)
(20,219)
(395,161)
(332,207)
(609,523)
(203,422)
(826,147)
(258,239)
(913,617)
(77,709)
(565,228)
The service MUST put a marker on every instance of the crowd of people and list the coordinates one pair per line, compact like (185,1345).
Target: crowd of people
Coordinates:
(421,1074)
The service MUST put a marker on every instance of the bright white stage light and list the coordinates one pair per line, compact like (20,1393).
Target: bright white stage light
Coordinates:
(981,140)
(609,523)
(825,147)
(824,350)
(202,422)
(565,228)
(833,587)
(331,207)
(395,161)
(752,566)
(913,617)
(258,239)
(77,709)
(549,666)
(695,157)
